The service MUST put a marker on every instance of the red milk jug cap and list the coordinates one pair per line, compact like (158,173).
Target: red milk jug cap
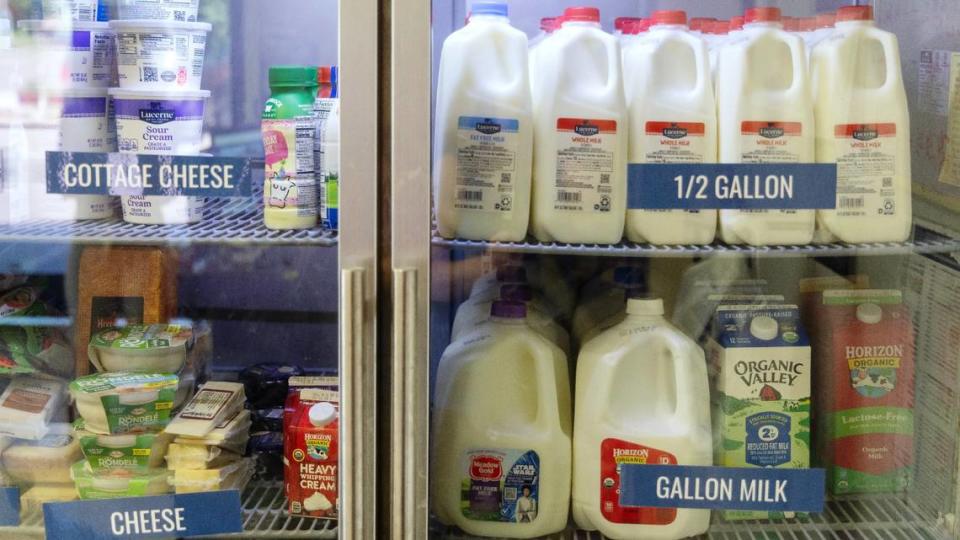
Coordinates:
(669,17)
(581,14)
(855,13)
(762,14)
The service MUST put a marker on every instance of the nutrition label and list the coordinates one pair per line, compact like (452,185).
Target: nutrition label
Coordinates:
(501,485)
(586,157)
(486,163)
(866,164)
(674,142)
(771,142)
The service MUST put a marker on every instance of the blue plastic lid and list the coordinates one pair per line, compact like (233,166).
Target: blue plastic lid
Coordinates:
(489,8)
(508,310)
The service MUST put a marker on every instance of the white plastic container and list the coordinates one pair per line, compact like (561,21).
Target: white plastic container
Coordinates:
(825,24)
(160,55)
(501,431)
(540,316)
(78,54)
(484,130)
(548,26)
(672,120)
(642,395)
(602,301)
(164,10)
(86,125)
(67,10)
(580,136)
(863,125)
(765,116)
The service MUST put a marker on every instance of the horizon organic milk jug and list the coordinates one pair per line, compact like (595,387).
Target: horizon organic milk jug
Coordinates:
(673,119)
(484,130)
(765,116)
(863,125)
(580,143)
(501,430)
(642,397)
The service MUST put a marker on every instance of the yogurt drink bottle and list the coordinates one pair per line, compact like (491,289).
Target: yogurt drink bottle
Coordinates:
(765,116)
(863,125)
(673,119)
(642,397)
(501,431)
(580,145)
(484,130)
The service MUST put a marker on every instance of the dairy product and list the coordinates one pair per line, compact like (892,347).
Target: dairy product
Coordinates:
(641,398)
(580,143)
(33,499)
(155,348)
(67,10)
(29,405)
(484,130)
(234,475)
(542,276)
(672,120)
(160,55)
(87,125)
(166,10)
(95,486)
(765,116)
(761,396)
(475,311)
(121,455)
(623,27)
(231,434)
(198,456)
(604,300)
(501,430)
(43,460)
(863,125)
(74,54)
(215,402)
(824,28)
(326,146)
(311,447)
(122,402)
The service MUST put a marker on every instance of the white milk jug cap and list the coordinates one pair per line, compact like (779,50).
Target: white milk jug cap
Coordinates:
(644,306)
(869,313)
(764,327)
(322,414)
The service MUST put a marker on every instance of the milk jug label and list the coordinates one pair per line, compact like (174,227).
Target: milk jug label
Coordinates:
(771,142)
(586,154)
(500,485)
(866,164)
(614,454)
(288,147)
(674,142)
(486,163)
(768,439)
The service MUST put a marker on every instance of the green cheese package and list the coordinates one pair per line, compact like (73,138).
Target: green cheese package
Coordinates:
(154,348)
(97,486)
(26,345)
(122,455)
(119,403)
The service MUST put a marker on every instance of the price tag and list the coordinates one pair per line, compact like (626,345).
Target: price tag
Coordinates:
(9,506)
(722,488)
(87,173)
(747,186)
(165,516)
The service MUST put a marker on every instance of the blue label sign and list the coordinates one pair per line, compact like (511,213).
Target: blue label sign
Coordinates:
(9,506)
(747,186)
(722,488)
(166,516)
(86,173)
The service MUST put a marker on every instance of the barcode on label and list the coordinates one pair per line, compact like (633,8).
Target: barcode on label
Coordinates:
(569,196)
(467,195)
(505,178)
(604,178)
(851,202)
(888,182)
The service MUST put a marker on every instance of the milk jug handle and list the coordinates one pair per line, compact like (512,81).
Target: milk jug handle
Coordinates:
(799,60)
(614,67)
(703,63)
(891,56)
(548,407)
(684,373)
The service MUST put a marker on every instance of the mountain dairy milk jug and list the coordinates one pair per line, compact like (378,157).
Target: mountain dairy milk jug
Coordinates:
(603,300)
(673,119)
(642,397)
(484,130)
(765,116)
(502,430)
(863,126)
(580,144)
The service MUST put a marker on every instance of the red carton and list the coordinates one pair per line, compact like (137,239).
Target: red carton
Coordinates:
(311,423)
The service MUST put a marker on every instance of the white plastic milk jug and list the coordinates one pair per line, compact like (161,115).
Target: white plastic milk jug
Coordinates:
(765,116)
(557,295)
(863,125)
(673,119)
(484,130)
(603,298)
(580,144)
(642,397)
(501,431)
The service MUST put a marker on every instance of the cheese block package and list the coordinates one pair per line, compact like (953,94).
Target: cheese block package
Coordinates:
(96,486)
(45,460)
(122,455)
(310,450)
(234,475)
(198,456)
(117,403)
(215,402)
(232,434)
(28,406)
(33,499)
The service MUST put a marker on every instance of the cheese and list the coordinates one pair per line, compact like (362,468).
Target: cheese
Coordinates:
(32,500)
(215,402)
(117,403)
(231,476)
(231,434)
(154,348)
(46,460)
(198,456)
(29,404)
(134,452)
(95,486)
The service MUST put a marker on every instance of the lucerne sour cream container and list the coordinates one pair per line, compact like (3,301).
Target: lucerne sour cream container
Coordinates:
(78,54)
(165,10)
(67,10)
(160,55)
(87,125)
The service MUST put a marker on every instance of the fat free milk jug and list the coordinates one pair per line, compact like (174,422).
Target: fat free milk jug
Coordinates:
(673,119)
(642,397)
(765,115)
(501,431)
(484,130)
(580,143)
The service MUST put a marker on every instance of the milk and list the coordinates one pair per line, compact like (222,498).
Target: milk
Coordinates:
(603,300)
(765,116)
(761,395)
(863,125)
(541,316)
(672,120)
(641,398)
(580,145)
(542,275)
(501,431)
(484,130)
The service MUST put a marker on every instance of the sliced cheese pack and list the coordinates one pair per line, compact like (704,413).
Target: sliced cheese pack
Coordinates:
(198,456)
(234,475)
(215,402)
(123,402)
(232,434)
(29,405)
(123,455)
(95,486)
(32,500)
(45,460)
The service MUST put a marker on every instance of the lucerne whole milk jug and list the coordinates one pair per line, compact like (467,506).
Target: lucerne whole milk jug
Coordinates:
(765,115)
(501,431)
(863,126)
(580,137)
(484,130)
(672,120)
(642,397)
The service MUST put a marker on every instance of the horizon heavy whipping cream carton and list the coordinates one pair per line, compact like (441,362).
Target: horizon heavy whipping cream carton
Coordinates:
(761,394)
(311,420)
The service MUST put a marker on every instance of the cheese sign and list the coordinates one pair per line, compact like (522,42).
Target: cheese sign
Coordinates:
(165,516)
(722,488)
(9,506)
(746,186)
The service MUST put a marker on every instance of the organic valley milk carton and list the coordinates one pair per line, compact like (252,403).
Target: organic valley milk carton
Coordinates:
(761,396)
(310,451)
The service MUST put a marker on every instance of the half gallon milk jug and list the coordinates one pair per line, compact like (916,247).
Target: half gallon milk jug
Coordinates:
(673,119)
(642,397)
(548,25)
(580,154)
(501,431)
(863,125)
(484,130)
(765,116)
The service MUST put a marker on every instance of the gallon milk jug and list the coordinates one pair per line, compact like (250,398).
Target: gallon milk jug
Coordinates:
(673,119)
(603,299)
(863,125)
(765,116)
(540,276)
(501,431)
(580,163)
(484,130)
(642,397)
